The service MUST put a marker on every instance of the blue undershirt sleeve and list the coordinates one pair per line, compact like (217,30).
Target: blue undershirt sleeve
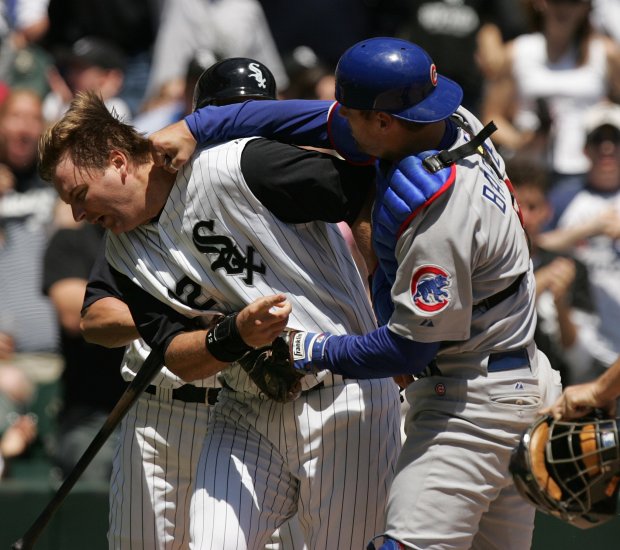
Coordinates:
(378,354)
(298,121)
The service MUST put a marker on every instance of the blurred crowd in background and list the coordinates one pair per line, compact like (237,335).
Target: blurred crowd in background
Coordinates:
(547,72)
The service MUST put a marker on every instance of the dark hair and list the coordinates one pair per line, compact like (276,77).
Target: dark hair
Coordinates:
(524,170)
(581,39)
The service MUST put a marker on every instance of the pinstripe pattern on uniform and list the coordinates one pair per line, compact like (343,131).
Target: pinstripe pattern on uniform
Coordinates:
(268,460)
(303,455)
(137,352)
(310,262)
(160,443)
(151,485)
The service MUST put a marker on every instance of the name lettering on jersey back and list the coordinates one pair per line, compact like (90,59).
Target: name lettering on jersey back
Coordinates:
(228,255)
(494,191)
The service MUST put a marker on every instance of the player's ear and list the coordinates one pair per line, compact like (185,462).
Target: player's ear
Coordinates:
(385,120)
(119,161)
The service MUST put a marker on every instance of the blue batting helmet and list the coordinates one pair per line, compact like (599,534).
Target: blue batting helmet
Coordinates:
(395,76)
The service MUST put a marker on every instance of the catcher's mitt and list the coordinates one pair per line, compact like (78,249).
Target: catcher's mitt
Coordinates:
(570,469)
(272,370)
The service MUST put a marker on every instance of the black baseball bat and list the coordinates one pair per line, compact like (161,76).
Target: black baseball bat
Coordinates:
(151,366)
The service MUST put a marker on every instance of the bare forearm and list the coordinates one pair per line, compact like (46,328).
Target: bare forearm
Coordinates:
(66,295)
(563,239)
(568,331)
(108,322)
(188,357)
(607,386)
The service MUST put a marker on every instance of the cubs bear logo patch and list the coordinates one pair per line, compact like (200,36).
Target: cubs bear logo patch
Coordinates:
(429,289)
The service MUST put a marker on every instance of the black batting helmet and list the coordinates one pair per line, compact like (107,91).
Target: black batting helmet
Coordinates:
(232,79)
(570,469)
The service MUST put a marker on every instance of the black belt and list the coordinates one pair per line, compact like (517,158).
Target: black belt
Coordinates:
(492,301)
(191,394)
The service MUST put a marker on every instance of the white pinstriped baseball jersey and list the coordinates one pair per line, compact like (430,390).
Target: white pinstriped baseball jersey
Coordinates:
(215,252)
(214,249)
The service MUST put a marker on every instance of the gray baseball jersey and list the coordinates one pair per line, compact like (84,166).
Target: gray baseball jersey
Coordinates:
(216,248)
(471,238)
(488,380)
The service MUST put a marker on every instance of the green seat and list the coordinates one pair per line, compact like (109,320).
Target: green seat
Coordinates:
(79,523)
(552,534)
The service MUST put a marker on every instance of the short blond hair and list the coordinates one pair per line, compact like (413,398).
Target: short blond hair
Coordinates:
(88,132)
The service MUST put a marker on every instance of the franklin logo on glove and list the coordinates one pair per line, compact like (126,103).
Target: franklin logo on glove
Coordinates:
(299,352)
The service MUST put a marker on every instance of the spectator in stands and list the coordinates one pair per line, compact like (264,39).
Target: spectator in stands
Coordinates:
(91,380)
(590,226)
(563,303)
(551,76)
(465,38)
(131,25)
(90,64)
(28,329)
(175,99)
(227,28)
(309,76)
(15,440)
(26,211)
(23,62)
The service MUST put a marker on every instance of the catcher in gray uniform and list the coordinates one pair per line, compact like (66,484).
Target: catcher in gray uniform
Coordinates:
(453,291)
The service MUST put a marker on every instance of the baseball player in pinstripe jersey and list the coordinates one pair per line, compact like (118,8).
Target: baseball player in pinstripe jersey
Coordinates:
(238,224)
(453,290)
(162,435)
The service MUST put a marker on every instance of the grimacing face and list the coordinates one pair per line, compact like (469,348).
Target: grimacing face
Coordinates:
(108,197)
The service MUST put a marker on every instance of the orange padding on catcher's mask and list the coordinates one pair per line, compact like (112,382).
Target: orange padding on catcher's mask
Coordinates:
(587,437)
(539,438)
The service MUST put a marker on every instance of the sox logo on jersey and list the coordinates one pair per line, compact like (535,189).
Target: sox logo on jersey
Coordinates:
(230,258)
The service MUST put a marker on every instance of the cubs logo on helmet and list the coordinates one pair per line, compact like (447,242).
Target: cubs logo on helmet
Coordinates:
(429,289)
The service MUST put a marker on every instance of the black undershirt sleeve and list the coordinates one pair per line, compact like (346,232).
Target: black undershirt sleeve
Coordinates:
(156,322)
(101,283)
(300,185)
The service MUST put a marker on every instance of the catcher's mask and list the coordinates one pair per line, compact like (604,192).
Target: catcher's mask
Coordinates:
(570,469)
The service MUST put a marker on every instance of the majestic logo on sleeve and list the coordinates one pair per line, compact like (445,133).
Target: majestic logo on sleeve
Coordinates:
(229,257)
(257,75)
(429,289)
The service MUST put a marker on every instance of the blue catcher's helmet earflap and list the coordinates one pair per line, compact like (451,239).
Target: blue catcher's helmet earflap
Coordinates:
(395,76)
